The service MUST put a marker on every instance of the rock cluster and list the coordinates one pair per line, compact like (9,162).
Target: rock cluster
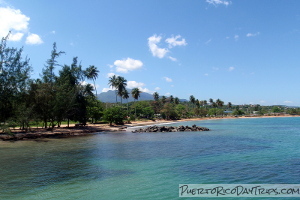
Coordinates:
(170,129)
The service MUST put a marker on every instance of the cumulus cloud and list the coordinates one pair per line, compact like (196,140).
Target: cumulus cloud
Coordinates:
(218,2)
(252,34)
(176,41)
(134,84)
(128,64)
(155,50)
(14,21)
(107,89)
(159,52)
(168,79)
(16,36)
(157,88)
(33,39)
(231,69)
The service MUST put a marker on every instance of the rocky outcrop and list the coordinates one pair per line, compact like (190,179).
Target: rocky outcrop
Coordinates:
(170,129)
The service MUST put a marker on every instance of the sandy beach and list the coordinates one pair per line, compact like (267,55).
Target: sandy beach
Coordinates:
(64,131)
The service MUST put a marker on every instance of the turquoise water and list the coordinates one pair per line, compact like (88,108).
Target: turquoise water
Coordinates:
(151,165)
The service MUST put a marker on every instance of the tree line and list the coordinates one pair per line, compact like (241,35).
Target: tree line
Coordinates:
(50,99)
(55,98)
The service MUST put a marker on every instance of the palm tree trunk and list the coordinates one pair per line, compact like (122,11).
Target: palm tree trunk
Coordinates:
(95,88)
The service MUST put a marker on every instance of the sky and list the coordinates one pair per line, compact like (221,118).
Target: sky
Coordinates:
(241,51)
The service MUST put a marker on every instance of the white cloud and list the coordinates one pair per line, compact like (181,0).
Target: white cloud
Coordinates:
(128,64)
(252,34)
(134,84)
(168,94)
(110,75)
(168,79)
(231,69)
(83,83)
(13,20)
(53,32)
(107,89)
(155,50)
(206,74)
(172,58)
(288,102)
(33,39)
(16,36)
(175,41)
(218,2)
(145,90)
(157,88)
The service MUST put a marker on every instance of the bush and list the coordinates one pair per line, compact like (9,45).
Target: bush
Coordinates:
(114,115)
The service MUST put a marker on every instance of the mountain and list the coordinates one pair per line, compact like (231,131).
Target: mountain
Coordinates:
(110,97)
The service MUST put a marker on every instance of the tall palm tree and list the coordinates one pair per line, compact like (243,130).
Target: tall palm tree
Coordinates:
(135,92)
(92,73)
(156,96)
(204,102)
(197,103)
(163,99)
(171,99)
(176,100)
(229,105)
(112,82)
(192,99)
(121,86)
(125,95)
(219,103)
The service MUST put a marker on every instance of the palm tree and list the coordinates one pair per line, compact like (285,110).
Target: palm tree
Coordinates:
(121,84)
(135,92)
(197,103)
(192,99)
(211,101)
(92,73)
(176,100)
(219,103)
(112,82)
(204,102)
(156,96)
(163,99)
(229,105)
(171,99)
(125,95)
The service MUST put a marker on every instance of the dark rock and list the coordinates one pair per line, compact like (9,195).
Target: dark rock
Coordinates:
(170,129)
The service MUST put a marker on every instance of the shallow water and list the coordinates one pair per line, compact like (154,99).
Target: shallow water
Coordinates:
(151,165)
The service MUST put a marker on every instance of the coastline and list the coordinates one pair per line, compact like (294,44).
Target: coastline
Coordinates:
(72,131)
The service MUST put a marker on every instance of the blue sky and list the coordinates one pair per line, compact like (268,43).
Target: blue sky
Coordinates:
(242,51)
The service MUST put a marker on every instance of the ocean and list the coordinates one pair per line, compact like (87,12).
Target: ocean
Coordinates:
(125,165)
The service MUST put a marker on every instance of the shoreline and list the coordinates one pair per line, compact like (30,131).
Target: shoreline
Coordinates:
(72,131)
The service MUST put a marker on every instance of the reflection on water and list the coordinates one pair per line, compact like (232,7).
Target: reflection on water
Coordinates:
(151,165)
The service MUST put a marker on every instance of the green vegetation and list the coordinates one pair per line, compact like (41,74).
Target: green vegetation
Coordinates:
(56,99)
